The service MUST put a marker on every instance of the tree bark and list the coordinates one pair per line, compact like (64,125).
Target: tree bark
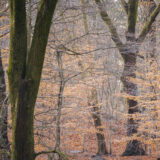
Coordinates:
(24,73)
(93,101)
(134,147)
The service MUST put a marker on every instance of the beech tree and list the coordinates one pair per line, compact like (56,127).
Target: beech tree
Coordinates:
(129,53)
(93,101)
(24,72)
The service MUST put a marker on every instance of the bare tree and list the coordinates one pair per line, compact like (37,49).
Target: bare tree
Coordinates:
(129,52)
(24,73)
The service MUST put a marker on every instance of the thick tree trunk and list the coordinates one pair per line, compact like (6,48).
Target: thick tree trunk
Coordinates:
(93,101)
(20,91)
(133,147)
(24,73)
(22,125)
(4,143)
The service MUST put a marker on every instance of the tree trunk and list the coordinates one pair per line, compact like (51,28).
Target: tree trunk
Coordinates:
(102,150)
(60,100)
(134,147)
(24,73)
(23,140)
(93,101)
(131,8)
(4,143)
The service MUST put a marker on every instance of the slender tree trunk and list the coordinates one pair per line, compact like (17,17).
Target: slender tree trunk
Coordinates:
(4,143)
(102,149)
(60,99)
(110,138)
(29,24)
(93,101)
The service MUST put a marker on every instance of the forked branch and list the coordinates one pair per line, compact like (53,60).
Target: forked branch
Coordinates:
(125,6)
(110,25)
(148,24)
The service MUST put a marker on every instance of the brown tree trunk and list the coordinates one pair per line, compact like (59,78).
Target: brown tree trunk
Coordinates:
(100,133)
(93,101)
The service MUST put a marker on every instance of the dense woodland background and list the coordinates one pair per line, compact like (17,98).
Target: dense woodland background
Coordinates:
(99,91)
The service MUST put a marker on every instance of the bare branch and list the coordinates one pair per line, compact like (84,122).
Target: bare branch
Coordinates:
(148,24)
(125,6)
(132,16)
(4,35)
(109,24)
(75,75)
(3,12)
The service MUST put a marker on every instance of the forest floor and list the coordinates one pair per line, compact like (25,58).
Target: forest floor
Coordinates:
(72,145)
(117,149)
(115,158)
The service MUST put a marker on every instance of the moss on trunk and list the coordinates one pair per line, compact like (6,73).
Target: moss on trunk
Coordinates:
(24,73)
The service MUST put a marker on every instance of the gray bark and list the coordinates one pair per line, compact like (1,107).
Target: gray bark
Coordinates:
(60,99)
